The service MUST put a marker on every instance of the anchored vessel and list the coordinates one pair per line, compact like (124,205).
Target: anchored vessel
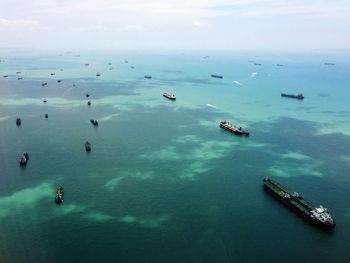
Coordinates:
(148,76)
(46,115)
(300,96)
(317,215)
(216,76)
(232,128)
(18,121)
(59,195)
(89,103)
(94,122)
(24,159)
(59,81)
(329,64)
(169,96)
(98,74)
(87,95)
(87,146)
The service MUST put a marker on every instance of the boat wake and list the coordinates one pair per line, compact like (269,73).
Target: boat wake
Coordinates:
(238,83)
(253,75)
(108,117)
(212,106)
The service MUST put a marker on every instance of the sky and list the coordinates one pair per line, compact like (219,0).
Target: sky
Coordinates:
(175,24)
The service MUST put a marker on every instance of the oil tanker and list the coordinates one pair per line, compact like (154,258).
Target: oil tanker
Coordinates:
(317,215)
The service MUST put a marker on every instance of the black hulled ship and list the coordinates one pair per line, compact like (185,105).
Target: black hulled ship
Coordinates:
(59,195)
(24,159)
(234,129)
(299,96)
(316,215)
(87,146)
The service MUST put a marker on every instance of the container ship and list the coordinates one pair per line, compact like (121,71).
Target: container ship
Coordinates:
(317,215)
(300,96)
(232,128)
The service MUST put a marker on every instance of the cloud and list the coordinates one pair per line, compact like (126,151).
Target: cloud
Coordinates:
(18,22)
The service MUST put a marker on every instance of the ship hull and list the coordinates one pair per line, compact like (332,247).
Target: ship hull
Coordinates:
(296,210)
(237,132)
(292,96)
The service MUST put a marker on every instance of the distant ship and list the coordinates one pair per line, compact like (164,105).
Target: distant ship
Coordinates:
(126,61)
(18,121)
(216,76)
(46,115)
(94,122)
(59,81)
(319,216)
(89,103)
(87,95)
(257,64)
(87,64)
(44,84)
(19,78)
(300,96)
(232,128)
(87,146)
(18,72)
(279,65)
(98,74)
(148,76)
(59,195)
(329,64)
(44,100)
(24,159)
(5,76)
(52,74)
(169,96)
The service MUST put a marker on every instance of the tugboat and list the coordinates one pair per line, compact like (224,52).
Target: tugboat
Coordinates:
(98,74)
(88,146)
(236,130)
(317,215)
(300,96)
(89,103)
(216,76)
(24,159)
(169,96)
(59,195)
(148,76)
(94,122)
(18,121)
(46,115)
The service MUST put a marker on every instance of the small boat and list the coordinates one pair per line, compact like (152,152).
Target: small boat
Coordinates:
(89,103)
(73,85)
(87,95)
(94,122)
(111,68)
(279,65)
(19,78)
(18,72)
(232,128)
(44,100)
(18,121)
(132,67)
(98,74)
(44,84)
(110,63)
(169,96)
(5,76)
(59,81)
(216,76)
(329,64)
(59,195)
(87,146)
(46,115)
(53,74)
(148,76)
(126,61)
(24,159)
(205,57)
(300,96)
(257,64)
(87,64)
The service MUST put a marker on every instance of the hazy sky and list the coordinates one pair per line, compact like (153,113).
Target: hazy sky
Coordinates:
(176,24)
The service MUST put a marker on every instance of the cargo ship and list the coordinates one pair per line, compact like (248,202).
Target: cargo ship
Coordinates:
(24,159)
(232,128)
(316,215)
(300,96)
(169,96)
(216,76)
(59,195)
(94,122)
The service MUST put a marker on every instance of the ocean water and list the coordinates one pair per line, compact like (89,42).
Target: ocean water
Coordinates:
(163,183)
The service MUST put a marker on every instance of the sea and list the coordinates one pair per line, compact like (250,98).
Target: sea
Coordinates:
(163,182)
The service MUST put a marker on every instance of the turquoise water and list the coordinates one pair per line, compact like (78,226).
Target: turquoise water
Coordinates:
(163,182)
